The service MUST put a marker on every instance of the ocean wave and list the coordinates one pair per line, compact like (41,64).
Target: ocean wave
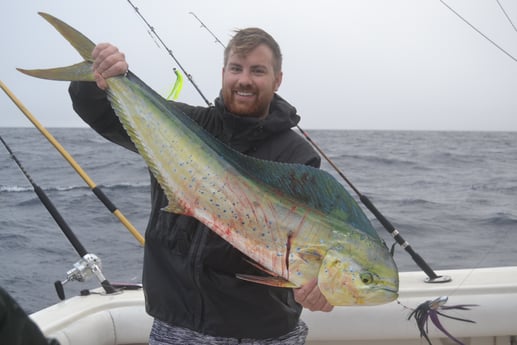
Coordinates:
(375,159)
(416,202)
(116,186)
(125,185)
(12,241)
(15,189)
(500,219)
(456,159)
(495,187)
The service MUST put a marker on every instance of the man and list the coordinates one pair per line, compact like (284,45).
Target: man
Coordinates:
(189,272)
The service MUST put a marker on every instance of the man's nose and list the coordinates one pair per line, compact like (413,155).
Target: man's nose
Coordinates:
(245,78)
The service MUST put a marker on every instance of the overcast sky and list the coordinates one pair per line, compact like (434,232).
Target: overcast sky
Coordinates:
(363,64)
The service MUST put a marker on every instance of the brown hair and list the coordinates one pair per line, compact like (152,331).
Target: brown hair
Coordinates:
(245,40)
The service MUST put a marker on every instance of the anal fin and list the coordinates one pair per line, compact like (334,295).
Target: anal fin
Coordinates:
(260,267)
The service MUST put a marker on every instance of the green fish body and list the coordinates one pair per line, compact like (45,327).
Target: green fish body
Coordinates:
(293,221)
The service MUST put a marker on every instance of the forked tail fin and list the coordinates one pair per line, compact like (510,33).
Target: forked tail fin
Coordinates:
(80,42)
(84,46)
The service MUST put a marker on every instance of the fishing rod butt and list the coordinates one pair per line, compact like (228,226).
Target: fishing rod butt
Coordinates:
(438,280)
(108,288)
(432,277)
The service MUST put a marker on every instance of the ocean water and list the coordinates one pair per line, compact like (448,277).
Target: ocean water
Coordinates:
(452,196)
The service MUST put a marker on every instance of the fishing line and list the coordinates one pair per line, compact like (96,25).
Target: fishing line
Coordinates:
(479,31)
(506,15)
(495,242)
(95,189)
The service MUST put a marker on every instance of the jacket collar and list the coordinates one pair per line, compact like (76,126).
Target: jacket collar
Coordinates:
(282,116)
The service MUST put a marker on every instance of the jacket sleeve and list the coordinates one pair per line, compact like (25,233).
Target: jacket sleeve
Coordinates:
(16,327)
(92,105)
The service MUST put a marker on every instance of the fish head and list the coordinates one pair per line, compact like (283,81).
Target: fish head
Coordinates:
(358,275)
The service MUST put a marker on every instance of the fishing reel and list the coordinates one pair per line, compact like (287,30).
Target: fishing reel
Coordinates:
(89,265)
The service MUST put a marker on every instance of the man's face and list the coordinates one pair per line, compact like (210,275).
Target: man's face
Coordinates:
(249,82)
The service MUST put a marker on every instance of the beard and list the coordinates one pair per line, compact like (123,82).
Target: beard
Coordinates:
(255,105)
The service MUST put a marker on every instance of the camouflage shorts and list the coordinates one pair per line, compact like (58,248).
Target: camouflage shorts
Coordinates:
(165,334)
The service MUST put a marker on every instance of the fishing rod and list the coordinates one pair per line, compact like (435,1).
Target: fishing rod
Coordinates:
(217,40)
(169,51)
(432,276)
(95,189)
(89,264)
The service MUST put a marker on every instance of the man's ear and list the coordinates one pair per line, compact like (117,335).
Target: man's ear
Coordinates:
(278,80)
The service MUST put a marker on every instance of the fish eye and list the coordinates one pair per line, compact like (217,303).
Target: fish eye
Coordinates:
(366,278)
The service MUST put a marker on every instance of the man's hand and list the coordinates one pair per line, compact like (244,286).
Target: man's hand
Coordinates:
(310,297)
(108,62)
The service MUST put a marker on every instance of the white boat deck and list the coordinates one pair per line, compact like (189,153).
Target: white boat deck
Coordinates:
(117,319)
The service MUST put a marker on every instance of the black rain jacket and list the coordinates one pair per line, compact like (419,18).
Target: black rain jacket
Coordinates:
(189,271)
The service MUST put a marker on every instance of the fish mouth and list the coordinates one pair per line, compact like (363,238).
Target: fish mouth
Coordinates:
(386,290)
(381,296)
(393,293)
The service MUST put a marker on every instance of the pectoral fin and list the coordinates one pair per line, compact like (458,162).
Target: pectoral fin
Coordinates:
(174,208)
(270,281)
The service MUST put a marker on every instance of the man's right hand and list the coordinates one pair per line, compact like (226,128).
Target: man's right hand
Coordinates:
(108,62)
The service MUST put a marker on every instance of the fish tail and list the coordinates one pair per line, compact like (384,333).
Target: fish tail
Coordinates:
(84,46)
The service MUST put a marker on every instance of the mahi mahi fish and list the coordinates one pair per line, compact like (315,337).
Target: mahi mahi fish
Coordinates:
(294,222)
